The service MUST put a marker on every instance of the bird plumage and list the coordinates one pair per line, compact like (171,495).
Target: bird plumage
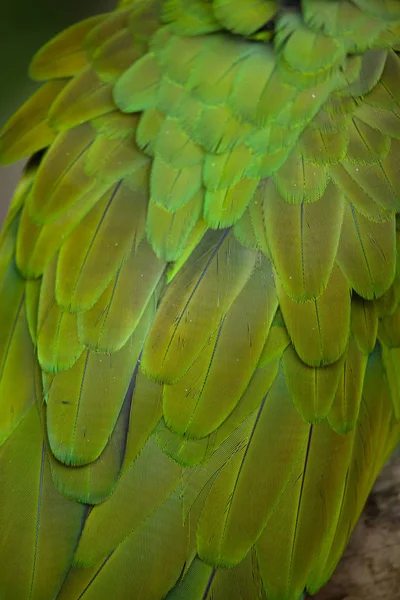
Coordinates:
(199,300)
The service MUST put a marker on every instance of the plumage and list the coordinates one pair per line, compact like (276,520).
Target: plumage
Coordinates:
(200,300)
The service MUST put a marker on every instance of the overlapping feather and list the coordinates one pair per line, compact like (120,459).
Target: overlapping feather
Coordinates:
(199,305)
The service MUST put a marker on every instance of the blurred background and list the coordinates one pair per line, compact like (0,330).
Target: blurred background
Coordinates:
(371,565)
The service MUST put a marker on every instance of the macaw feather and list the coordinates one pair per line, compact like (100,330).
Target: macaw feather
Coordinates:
(42,526)
(30,130)
(200,300)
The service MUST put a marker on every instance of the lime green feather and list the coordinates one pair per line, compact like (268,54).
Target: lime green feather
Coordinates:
(364,323)
(59,182)
(96,481)
(83,99)
(123,302)
(313,389)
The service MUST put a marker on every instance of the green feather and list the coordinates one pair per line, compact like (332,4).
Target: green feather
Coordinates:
(29,130)
(98,246)
(366,253)
(206,394)
(317,338)
(217,270)
(83,402)
(346,404)
(303,239)
(150,479)
(39,524)
(199,300)
(64,55)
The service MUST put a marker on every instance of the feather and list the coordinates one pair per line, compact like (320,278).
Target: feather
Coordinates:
(59,182)
(227,528)
(64,55)
(145,550)
(29,129)
(107,326)
(204,397)
(150,480)
(317,338)
(116,55)
(364,323)
(303,239)
(224,207)
(83,99)
(346,405)
(83,403)
(299,181)
(94,482)
(206,287)
(57,331)
(98,246)
(184,451)
(366,253)
(305,516)
(16,349)
(372,427)
(244,17)
(313,389)
(39,525)
(136,88)
(146,412)
(169,232)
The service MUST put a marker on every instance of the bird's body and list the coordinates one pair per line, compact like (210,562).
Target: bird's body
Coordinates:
(199,300)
